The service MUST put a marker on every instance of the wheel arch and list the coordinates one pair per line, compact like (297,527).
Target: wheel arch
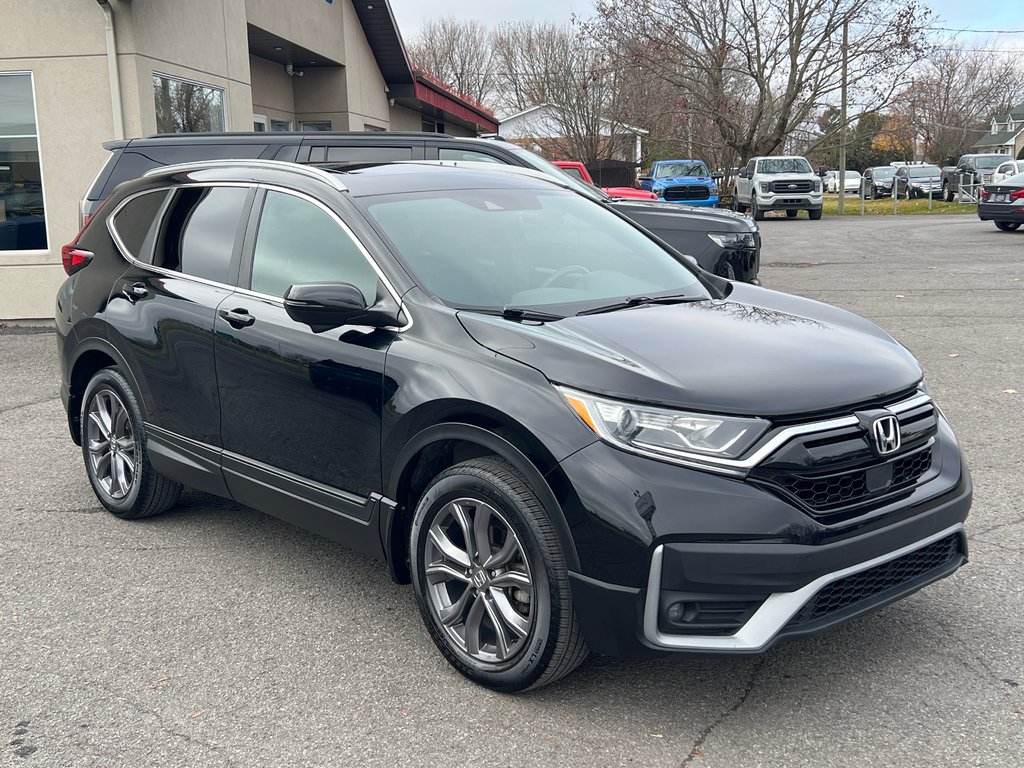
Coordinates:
(93,355)
(459,438)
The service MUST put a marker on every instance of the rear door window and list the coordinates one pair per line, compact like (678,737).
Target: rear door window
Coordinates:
(200,231)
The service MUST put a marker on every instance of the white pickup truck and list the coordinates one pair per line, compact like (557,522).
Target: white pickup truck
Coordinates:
(778,183)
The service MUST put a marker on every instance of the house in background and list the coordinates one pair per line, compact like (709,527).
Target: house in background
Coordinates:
(1006,135)
(76,73)
(544,129)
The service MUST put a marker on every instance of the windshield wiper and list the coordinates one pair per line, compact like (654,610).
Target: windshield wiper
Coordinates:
(516,313)
(639,301)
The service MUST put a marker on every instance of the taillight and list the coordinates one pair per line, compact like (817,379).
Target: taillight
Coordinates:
(74,258)
(984,194)
(1017,194)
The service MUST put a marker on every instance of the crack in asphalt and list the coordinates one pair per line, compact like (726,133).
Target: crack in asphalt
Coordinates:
(9,408)
(971,654)
(695,751)
(983,531)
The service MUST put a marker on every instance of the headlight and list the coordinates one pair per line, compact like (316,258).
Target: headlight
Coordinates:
(669,434)
(733,239)
(713,189)
(764,185)
(817,186)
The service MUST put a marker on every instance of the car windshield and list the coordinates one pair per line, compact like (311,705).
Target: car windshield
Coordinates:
(883,173)
(783,165)
(670,170)
(538,163)
(988,163)
(923,171)
(550,249)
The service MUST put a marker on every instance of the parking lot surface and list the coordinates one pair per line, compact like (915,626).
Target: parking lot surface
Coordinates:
(217,636)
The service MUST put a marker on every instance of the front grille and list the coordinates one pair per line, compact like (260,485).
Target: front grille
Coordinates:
(687,192)
(828,492)
(791,187)
(848,592)
(834,475)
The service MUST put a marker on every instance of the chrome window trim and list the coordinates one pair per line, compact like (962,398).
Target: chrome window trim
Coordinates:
(771,617)
(310,171)
(279,300)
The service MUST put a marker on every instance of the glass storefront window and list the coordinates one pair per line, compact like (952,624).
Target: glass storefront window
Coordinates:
(22,214)
(183,106)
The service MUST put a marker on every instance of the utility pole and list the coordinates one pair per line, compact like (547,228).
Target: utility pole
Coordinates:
(842,124)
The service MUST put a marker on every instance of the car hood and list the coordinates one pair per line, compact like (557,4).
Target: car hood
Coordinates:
(658,216)
(666,180)
(758,352)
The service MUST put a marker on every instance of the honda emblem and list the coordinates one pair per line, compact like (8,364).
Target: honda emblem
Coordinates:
(886,432)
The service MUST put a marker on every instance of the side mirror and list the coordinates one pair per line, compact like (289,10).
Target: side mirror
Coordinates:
(744,174)
(823,174)
(325,306)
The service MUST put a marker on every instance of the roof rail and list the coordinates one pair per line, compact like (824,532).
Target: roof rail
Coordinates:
(276,165)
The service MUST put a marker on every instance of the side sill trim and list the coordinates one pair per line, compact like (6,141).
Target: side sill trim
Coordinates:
(773,614)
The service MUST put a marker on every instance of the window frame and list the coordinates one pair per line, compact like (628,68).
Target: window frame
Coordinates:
(42,173)
(240,233)
(243,280)
(189,81)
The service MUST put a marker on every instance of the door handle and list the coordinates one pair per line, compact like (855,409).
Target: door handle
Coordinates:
(134,291)
(237,318)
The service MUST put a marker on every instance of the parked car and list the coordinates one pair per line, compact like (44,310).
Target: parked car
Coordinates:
(877,181)
(579,171)
(975,170)
(851,182)
(682,181)
(774,183)
(1009,168)
(918,181)
(1003,203)
(722,242)
(567,439)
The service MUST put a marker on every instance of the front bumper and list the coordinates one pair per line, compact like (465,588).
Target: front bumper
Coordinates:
(774,202)
(723,548)
(711,202)
(1012,212)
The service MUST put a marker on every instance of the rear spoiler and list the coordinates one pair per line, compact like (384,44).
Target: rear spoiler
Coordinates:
(118,144)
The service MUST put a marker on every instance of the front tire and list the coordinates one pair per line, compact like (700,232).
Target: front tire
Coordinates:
(814,214)
(756,212)
(114,449)
(491,579)
(947,195)
(1007,226)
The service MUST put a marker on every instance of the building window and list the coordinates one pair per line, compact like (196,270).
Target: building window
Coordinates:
(315,125)
(278,126)
(183,106)
(259,123)
(369,128)
(22,213)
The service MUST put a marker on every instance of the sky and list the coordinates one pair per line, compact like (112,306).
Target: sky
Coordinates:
(957,14)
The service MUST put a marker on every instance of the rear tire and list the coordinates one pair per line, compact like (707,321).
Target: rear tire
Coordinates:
(114,449)
(1007,226)
(500,610)
(814,214)
(947,194)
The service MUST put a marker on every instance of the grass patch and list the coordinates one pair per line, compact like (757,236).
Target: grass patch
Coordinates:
(830,207)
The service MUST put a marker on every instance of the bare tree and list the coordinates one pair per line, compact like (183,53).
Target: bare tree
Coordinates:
(459,53)
(955,93)
(543,63)
(759,70)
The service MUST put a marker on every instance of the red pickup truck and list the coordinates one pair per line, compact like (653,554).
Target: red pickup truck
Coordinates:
(579,170)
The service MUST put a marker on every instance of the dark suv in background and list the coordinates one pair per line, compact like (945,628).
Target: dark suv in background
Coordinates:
(722,243)
(568,439)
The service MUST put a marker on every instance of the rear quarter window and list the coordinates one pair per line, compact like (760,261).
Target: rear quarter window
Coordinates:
(137,222)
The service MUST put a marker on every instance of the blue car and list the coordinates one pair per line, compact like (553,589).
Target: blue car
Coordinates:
(682,181)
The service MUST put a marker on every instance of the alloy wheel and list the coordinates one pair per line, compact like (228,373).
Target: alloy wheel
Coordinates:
(111,444)
(479,585)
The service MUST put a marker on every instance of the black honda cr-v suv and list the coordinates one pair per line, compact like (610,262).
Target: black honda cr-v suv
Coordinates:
(560,432)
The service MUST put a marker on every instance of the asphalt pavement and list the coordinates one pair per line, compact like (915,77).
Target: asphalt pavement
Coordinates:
(218,636)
